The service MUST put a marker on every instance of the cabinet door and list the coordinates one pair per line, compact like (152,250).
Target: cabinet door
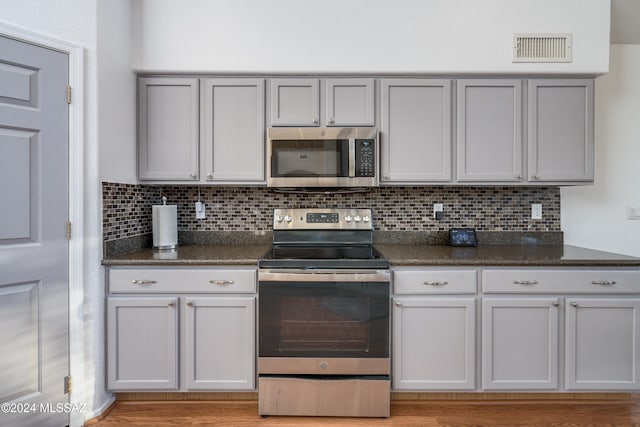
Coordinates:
(168,129)
(415,131)
(232,121)
(520,343)
(142,343)
(489,133)
(295,102)
(603,344)
(560,130)
(434,343)
(220,343)
(350,102)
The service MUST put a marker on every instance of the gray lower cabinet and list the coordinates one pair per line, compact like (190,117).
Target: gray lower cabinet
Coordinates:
(168,137)
(181,329)
(602,344)
(520,343)
(434,329)
(560,130)
(415,131)
(538,323)
(142,337)
(489,131)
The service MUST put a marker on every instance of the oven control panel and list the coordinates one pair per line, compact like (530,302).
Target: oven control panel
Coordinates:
(325,219)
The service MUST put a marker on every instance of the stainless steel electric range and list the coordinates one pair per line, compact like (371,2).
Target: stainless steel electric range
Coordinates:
(323,310)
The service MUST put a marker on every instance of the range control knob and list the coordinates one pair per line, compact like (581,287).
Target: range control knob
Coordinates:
(348,218)
(279,218)
(366,218)
(357,218)
(288,218)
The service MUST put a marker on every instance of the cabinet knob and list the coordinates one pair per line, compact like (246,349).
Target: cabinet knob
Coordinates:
(435,283)
(535,177)
(603,282)
(171,304)
(518,177)
(525,282)
(143,282)
(193,176)
(555,303)
(222,282)
(210,175)
(190,304)
(398,304)
(386,177)
(315,121)
(574,304)
(332,120)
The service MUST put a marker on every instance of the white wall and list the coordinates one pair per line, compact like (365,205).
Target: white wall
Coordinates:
(422,36)
(596,216)
(116,93)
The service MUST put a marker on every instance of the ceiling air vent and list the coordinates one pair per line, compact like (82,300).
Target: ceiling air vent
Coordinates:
(542,48)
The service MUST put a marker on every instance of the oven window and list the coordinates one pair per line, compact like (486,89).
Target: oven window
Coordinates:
(310,158)
(330,319)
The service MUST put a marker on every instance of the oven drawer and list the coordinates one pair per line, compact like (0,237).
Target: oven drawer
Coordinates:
(434,281)
(324,366)
(182,280)
(338,397)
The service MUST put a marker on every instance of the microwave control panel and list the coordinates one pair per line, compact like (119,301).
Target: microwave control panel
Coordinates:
(365,157)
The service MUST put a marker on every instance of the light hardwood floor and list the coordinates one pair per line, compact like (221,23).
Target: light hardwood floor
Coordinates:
(403,413)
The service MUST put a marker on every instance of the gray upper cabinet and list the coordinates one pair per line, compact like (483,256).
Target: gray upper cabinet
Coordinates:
(560,130)
(232,125)
(415,131)
(168,129)
(295,102)
(344,102)
(350,102)
(489,130)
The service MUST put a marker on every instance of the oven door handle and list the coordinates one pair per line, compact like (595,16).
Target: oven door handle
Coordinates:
(299,275)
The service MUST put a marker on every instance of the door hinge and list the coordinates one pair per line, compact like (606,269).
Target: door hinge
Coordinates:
(68,230)
(67,384)
(68,94)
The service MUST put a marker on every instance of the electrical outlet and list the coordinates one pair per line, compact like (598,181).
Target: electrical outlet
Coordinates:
(200,211)
(438,211)
(536,210)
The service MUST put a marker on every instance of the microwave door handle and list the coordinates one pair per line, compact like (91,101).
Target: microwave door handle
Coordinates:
(352,158)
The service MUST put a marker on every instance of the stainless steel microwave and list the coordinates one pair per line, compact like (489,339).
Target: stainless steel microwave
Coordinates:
(322,157)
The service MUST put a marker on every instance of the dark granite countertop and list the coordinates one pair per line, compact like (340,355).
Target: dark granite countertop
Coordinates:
(193,255)
(503,255)
(398,255)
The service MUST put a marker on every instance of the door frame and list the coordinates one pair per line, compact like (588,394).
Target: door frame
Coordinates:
(76,201)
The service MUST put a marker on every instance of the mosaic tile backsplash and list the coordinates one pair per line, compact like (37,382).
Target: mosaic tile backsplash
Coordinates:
(127,207)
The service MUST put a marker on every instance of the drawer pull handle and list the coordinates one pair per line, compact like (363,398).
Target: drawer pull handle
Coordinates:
(525,282)
(143,282)
(222,282)
(435,283)
(603,282)
(190,304)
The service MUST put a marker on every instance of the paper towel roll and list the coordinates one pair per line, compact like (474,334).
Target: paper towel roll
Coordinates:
(165,226)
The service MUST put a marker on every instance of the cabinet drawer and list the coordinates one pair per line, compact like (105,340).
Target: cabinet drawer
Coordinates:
(422,281)
(181,280)
(587,281)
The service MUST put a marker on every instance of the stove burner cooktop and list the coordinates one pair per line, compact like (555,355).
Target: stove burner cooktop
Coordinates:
(323,257)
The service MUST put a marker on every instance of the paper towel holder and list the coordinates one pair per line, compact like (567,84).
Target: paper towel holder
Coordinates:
(165,230)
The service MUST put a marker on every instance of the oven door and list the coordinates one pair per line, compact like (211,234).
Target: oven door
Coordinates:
(320,314)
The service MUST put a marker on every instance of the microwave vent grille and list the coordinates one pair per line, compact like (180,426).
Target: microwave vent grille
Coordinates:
(542,47)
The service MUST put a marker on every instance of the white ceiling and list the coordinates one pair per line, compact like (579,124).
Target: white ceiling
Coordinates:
(625,22)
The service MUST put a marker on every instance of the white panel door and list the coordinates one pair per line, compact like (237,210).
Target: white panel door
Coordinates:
(34,264)
(603,344)
(220,343)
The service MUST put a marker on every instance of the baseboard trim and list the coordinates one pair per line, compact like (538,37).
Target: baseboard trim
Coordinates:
(395,396)
(102,413)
